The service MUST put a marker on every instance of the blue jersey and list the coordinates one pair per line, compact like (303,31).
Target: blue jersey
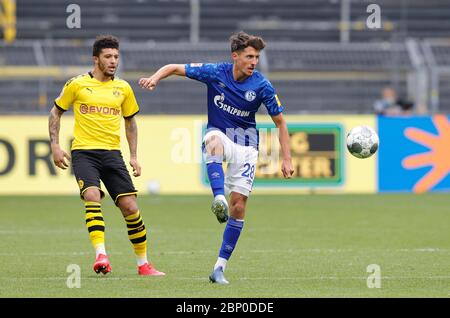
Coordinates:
(232,105)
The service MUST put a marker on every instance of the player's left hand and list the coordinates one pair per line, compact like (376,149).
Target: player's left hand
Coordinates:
(136,167)
(287,169)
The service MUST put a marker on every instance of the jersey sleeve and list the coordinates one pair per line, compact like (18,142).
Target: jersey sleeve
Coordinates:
(271,100)
(130,106)
(203,72)
(67,95)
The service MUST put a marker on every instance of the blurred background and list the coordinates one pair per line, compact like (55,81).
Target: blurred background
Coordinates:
(324,57)
(321,56)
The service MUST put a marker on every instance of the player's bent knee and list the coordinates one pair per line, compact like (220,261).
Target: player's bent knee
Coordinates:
(237,210)
(214,145)
(127,205)
(92,194)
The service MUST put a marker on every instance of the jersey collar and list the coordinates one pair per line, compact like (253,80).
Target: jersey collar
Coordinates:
(92,76)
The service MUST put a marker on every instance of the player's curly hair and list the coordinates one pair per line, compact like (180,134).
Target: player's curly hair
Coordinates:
(104,42)
(240,41)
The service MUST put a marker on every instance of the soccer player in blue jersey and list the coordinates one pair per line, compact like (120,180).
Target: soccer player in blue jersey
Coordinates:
(235,92)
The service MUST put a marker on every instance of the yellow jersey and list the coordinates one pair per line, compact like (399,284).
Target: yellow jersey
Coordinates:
(98,110)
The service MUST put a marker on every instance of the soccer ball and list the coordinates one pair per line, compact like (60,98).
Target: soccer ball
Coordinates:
(362,142)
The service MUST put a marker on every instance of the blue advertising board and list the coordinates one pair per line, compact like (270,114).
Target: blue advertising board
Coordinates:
(414,154)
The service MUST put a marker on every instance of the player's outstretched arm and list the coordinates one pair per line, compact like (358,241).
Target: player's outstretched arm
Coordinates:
(54,123)
(286,166)
(165,71)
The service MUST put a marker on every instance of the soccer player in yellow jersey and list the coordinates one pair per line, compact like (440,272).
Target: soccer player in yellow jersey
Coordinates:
(99,102)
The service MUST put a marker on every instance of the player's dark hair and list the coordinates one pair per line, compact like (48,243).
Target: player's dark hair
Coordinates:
(240,41)
(104,42)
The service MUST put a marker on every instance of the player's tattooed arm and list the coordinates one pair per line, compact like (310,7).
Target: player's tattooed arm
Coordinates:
(54,121)
(286,166)
(165,71)
(132,133)
(54,124)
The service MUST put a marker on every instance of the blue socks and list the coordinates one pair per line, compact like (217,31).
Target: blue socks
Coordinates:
(230,237)
(234,227)
(216,177)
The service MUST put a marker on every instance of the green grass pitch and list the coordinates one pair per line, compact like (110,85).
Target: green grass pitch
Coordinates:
(291,246)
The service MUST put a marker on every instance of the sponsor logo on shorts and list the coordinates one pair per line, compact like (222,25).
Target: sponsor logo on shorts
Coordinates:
(81,183)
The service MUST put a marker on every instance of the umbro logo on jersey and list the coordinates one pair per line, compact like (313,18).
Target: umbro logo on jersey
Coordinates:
(222,85)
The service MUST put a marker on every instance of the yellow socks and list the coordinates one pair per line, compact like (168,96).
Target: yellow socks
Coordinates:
(96,226)
(137,235)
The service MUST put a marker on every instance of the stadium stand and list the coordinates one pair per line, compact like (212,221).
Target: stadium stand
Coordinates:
(276,20)
(411,18)
(134,20)
(337,57)
(441,53)
(20,96)
(309,77)
(444,95)
(312,71)
(17,55)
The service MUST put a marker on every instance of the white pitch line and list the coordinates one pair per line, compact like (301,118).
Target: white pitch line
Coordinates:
(65,278)
(193,252)
(266,278)
(54,254)
(342,250)
(317,250)
(364,278)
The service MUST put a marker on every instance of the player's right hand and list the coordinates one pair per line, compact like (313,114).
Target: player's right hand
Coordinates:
(59,158)
(148,83)
(287,168)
